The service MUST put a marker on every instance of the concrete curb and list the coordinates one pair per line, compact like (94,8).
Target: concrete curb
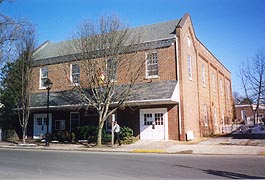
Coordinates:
(175,149)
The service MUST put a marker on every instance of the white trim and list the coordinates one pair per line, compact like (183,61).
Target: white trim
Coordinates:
(139,102)
(42,46)
(189,61)
(178,89)
(40,77)
(146,71)
(161,39)
(71,74)
(175,95)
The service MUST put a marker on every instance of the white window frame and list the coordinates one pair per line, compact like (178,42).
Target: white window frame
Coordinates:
(74,119)
(43,78)
(61,125)
(189,60)
(72,74)
(153,63)
(244,115)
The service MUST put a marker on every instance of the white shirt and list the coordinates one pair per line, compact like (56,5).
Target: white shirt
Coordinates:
(116,128)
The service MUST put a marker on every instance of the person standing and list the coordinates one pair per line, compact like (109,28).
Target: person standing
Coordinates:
(117,129)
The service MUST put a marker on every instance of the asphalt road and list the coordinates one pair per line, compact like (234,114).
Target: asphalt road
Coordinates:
(28,164)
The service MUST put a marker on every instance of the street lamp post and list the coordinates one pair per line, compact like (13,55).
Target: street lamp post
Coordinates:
(48,85)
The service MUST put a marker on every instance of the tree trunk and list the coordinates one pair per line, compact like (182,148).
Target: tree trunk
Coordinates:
(23,135)
(100,127)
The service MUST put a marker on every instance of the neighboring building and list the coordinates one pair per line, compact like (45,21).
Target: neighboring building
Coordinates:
(244,114)
(188,92)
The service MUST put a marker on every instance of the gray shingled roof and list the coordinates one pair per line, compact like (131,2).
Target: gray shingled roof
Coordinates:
(155,91)
(148,33)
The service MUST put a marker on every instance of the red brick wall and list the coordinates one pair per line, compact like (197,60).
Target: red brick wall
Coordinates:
(59,74)
(193,94)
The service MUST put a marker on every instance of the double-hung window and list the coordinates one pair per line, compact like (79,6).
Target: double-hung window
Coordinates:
(75,74)
(74,120)
(43,77)
(189,67)
(151,65)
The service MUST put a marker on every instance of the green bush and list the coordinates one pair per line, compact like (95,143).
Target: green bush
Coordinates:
(86,132)
(63,136)
(90,133)
(106,137)
(126,133)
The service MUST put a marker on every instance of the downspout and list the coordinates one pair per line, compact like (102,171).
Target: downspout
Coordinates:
(178,88)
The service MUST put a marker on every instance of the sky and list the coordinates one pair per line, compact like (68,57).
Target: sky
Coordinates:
(233,30)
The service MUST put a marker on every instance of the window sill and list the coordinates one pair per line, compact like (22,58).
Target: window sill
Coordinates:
(42,88)
(152,77)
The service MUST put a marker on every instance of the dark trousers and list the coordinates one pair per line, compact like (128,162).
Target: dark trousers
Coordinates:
(117,137)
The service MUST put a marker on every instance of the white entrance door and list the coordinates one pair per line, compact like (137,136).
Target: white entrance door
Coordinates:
(153,124)
(40,125)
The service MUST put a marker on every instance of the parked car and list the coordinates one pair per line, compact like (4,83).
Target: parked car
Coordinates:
(260,129)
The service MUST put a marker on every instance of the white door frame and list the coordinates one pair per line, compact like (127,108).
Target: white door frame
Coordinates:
(37,134)
(155,110)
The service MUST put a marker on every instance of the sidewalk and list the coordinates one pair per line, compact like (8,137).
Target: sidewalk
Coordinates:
(212,146)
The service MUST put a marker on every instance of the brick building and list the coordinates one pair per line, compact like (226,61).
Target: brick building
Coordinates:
(245,114)
(190,91)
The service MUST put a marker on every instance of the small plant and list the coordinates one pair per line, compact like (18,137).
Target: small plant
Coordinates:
(63,136)
(126,133)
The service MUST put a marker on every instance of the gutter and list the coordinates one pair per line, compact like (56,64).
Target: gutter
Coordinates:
(126,103)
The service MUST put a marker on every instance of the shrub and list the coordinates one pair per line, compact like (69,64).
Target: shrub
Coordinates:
(126,133)
(63,136)
(90,133)
(86,132)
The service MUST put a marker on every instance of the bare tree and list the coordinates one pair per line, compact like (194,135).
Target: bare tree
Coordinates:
(253,80)
(106,52)
(10,31)
(26,48)
(237,98)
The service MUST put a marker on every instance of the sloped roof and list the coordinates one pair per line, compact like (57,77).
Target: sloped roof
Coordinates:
(141,93)
(148,33)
